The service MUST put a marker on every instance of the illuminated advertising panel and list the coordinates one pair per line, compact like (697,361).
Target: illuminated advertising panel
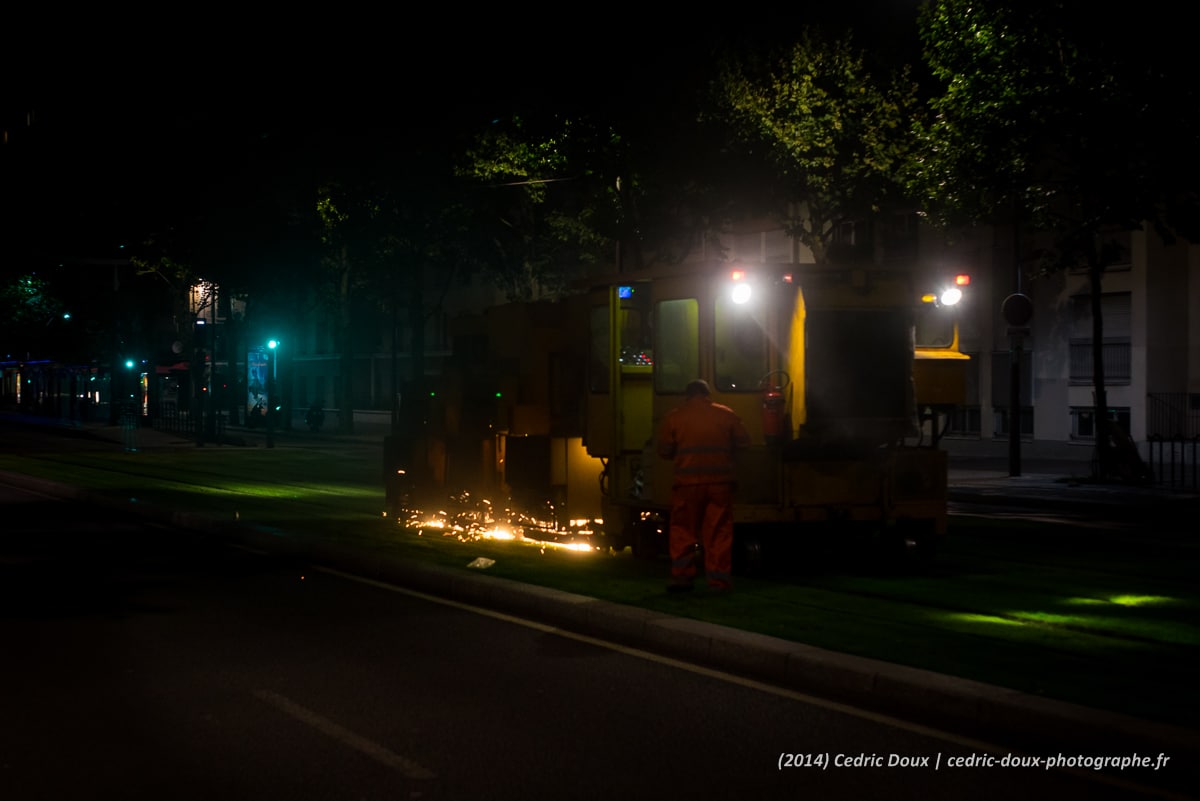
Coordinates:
(257,367)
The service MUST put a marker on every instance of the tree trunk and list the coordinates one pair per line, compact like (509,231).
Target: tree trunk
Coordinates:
(416,403)
(1104,451)
(416,312)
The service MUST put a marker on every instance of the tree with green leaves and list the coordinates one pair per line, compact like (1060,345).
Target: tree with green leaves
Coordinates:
(1035,121)
(29,300)
(551,197)
(830,133)
(559,196)
(29,306)
(177,279)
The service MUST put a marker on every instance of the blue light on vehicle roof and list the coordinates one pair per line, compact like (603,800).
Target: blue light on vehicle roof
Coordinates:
(624,292)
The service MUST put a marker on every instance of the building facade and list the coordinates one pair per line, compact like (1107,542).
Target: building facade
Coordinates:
(1151,344)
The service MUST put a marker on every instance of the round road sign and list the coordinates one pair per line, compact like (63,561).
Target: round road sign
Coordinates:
(1017,309)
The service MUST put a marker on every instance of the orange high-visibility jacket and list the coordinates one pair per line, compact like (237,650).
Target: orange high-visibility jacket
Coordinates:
(701,436)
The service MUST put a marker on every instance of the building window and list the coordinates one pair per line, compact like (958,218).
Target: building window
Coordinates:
(1000,427)
(741,347)
(1083,421)
(844,233)
(848,243)
(966,421)
(1116,251)
(1116,348)
(677,349)
(898,234)
(1117,361)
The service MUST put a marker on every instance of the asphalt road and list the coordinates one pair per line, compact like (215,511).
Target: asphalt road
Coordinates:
(146,663)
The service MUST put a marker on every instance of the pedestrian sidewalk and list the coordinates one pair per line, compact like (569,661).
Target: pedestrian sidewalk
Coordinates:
(1066,487)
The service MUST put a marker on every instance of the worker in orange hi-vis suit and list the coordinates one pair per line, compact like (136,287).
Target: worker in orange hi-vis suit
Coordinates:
(701,437)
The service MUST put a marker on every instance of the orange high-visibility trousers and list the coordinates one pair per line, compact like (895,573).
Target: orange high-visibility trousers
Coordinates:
(702,514)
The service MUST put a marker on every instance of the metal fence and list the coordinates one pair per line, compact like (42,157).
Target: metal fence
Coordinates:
(1174,462)
(173,419)
(1173,426)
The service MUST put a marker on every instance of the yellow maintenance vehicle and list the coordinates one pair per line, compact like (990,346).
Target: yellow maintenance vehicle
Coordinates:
(823,365)
(843,377)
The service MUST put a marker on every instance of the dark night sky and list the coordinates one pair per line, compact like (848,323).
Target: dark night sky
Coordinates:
(142,122)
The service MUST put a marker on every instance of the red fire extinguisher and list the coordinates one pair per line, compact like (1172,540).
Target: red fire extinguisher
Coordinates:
(774,407)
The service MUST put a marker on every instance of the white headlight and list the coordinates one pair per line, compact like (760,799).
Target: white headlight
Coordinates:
(741,293)
(951,296)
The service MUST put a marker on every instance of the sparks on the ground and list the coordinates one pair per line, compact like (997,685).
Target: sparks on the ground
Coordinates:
(469,519)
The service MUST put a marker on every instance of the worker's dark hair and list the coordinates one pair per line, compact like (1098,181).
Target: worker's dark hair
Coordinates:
(697,387)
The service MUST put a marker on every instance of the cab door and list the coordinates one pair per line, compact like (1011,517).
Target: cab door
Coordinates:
(620,372)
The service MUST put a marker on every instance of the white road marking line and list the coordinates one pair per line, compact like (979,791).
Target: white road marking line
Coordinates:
(720,675)
(409,768)
(666,660)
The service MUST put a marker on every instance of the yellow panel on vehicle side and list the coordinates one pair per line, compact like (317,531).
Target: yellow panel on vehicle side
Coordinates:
(940,380)
(637,407)
(795,366)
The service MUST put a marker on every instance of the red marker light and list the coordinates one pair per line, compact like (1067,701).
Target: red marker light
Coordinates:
(738,275)
(962,279)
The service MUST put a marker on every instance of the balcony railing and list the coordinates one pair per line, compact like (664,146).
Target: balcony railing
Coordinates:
(1118,362)
(1173,415)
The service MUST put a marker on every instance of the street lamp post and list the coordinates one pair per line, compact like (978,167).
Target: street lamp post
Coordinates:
(272,401)
(129,414)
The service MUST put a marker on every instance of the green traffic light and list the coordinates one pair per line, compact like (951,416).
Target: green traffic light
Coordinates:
(129,364)
(272,344)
